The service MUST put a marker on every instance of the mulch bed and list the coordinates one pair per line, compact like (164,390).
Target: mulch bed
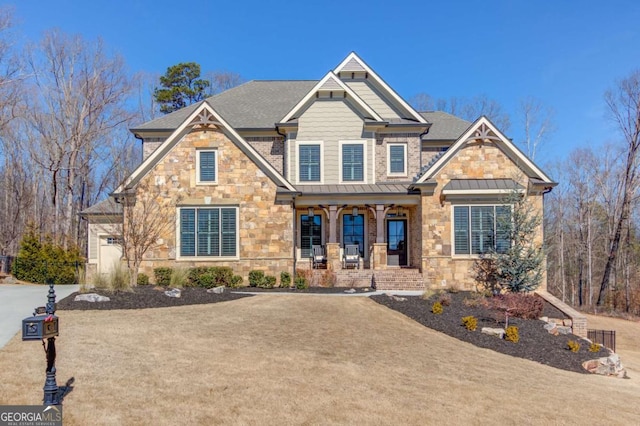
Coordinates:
(143,297)
(535,343)
(310,290)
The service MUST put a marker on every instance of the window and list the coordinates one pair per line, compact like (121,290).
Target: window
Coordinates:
(309,159)
(112,241)
(310,233)
(352,162)
(397,159)
(209,232)
(479,229)
(353,231)
(207,162)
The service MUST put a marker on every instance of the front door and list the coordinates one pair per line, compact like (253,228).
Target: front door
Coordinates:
(397,242)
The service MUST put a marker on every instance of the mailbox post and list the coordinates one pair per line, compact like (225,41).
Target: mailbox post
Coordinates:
(44,325)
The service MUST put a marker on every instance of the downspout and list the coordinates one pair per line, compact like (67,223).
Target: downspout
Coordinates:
(295,238)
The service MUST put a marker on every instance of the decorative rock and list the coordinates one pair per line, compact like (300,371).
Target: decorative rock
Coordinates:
(567,322)
(366,289)
(91,297)
(216,290)
(498,332)
(351,290)
(606,366)
(564,330)
(551,328)
(174,292)
(545,319)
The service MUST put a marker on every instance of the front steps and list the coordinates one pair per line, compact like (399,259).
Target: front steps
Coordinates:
(380,279)
(398,279)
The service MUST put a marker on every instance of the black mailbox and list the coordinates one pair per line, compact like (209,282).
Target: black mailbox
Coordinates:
(39,327)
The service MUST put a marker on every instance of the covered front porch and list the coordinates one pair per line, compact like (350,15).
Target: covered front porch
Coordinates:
(382,235)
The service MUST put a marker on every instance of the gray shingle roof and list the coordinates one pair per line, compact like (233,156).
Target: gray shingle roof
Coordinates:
(104,207)
(445,126)
(253,105)
(481,185)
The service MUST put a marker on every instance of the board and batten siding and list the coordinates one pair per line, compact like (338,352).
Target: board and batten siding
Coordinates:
(330,121)
(371,97)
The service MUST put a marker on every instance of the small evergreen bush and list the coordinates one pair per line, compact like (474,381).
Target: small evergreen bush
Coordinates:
(511,334)
(268,281)
(195,274)
(236,281)
(301,282)
(444,299)
(285,279)
(256,278)
(573,346)
(162,276)
(594,347)
(143,279)
(436,308)
(470,322)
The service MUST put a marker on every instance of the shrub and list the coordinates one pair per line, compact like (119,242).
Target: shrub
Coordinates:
(328,278)
(236,281)
(474,300)
(511,334)
(143,279)
(39,262)
(256,278)
(436,308)
(162,276)
(429,293)
(118,278)
(453,288)
(209,277)
(268,281)
(179,277)
(444,299)
(99,281)
(518,305)
(470,322)
(301,282)
(594,347)
(285,279)
(573,346)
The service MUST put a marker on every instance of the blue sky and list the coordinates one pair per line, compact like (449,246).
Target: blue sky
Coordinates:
(564,53)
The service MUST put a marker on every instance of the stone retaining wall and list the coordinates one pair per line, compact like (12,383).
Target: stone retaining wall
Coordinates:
(578,321)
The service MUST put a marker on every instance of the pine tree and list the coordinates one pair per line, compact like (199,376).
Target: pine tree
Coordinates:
(181,86)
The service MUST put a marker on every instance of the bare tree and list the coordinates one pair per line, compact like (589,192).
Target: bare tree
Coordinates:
(147,217)
(76,104)
(537,123)
(422,102)
(220,80)
(624,105)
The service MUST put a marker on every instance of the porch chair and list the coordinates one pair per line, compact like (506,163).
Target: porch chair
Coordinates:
(351,256)
(318,256)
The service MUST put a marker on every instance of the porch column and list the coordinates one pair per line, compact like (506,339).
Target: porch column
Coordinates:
(333,214)
(333,257)
(380,223)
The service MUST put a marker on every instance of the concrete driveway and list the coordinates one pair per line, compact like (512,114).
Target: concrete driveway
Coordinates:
(18,302)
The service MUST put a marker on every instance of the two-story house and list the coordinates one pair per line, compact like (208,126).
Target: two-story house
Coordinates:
(261,173)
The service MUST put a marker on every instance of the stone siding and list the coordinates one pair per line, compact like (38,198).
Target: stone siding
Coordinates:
(265,226)
(473,161)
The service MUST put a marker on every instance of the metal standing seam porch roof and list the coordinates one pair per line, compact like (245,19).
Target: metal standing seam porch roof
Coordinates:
(361,189)
(482,185)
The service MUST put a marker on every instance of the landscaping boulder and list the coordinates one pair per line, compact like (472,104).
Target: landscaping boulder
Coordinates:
(174,292)
(216,290)
(606,366)
(91,297)
(564,330)
(498,332)
(351,290)
(551,328)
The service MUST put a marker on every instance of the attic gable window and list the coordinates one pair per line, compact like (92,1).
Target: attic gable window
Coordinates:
(207,161)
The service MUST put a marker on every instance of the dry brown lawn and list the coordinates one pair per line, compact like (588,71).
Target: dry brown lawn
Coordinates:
(302,360)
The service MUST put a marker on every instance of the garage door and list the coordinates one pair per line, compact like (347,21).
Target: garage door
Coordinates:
(110,253)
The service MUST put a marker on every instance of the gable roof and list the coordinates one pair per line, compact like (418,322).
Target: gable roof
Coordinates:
(256,104)
(445,126)
(331,82)
(354,63)
(483,128)
(202,113)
